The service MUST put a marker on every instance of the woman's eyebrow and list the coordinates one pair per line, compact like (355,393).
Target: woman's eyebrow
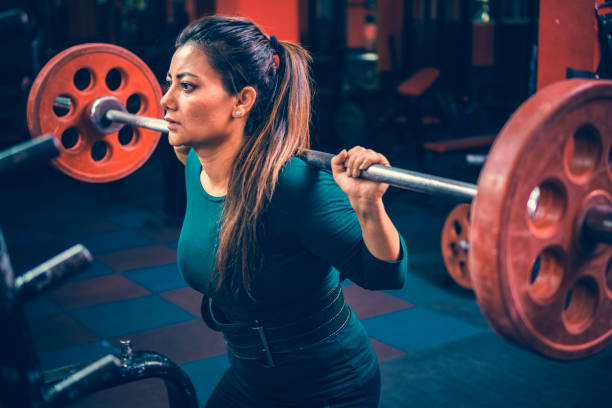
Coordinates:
(181,75)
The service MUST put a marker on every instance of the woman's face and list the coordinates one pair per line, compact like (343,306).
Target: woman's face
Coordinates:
(198,108)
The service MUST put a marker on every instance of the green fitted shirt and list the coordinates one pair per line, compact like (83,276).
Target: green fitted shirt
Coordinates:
(312,240)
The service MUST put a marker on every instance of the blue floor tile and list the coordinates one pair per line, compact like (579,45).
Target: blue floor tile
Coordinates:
(76,354)
(205,374)
(129,316)
(418,328)
(41,307)
(157,278)
(418,291)
(96,270)
(132,219)
(112,241)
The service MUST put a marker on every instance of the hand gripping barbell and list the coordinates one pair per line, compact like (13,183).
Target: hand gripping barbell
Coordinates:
(559,142)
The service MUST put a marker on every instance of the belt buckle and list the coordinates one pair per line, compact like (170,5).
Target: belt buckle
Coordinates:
(264,342)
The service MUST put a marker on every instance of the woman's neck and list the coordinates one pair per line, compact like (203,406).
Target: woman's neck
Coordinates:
(217,164)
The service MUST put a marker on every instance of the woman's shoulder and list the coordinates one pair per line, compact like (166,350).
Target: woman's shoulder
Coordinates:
(297,175)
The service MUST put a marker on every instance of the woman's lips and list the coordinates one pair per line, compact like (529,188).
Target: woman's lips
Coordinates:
(172,124)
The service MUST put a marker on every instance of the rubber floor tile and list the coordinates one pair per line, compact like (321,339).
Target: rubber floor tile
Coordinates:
(96,270)
(367,303)
(385,352)
(205,374)
(419,291)
(41,306)
(486,371)
(146,393)
(87,352)
(187,298)
(131,219)
(59,331)
(95,291)
(418,328)
(181,343)
(162,234)
(157,278)
(129,316)
(139,257)
(113,241)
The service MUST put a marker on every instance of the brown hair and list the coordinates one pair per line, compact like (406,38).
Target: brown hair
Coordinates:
(277,127)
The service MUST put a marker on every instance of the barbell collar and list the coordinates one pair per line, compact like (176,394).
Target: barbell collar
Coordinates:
(406,179)
(146,122)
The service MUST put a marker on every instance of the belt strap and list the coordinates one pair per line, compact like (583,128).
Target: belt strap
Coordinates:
(260,339)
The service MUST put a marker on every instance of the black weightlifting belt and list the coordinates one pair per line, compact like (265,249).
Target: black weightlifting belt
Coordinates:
(262,339)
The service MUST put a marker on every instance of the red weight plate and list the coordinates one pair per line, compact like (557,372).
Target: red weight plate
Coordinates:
(59,102)
(455,244)
(534,281)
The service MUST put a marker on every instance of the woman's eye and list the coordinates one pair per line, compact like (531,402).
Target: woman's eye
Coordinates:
(187,87)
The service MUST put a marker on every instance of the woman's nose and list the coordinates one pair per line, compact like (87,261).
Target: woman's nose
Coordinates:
(166,100)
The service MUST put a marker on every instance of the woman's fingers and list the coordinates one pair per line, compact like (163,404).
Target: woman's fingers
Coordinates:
(358,159)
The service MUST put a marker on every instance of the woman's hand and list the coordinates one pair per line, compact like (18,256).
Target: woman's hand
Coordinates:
(347,166)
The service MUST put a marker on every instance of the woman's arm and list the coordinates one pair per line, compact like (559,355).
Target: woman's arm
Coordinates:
(379,234)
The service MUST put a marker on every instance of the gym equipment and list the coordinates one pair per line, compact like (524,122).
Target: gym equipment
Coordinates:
(68,88)
(558,144)
(22,383)
(455,243)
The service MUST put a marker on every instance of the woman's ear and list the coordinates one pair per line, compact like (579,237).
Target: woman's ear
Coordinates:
(245,99)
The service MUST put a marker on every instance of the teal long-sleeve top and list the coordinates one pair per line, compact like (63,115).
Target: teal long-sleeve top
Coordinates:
(312,240)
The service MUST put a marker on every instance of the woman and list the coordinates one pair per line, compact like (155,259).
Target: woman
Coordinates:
(263,229)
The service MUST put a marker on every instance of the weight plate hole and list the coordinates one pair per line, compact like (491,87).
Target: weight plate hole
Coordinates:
(546,204)
(62,105)
(457,227)
(454,249)
(126,135)
(585,147)
(113,79)
(546,274)
(580,305)
(70,137)
(99,150)
(463,269)
(82,79)
(133,103)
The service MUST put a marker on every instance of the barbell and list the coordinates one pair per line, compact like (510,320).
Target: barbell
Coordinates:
(541,273)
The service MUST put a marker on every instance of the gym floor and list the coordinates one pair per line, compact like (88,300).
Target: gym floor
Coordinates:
(435,348)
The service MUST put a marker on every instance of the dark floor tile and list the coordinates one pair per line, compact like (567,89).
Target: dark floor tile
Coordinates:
(112,241)
(367,303)
(129,316)
(385,352)
(59,331)
(95,291)
(157,278)
(139,257)
(487,371)
(418,328)
(146,393)
(182,343)
(187,298)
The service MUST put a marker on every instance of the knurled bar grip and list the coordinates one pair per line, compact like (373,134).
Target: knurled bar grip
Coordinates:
(406,179)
